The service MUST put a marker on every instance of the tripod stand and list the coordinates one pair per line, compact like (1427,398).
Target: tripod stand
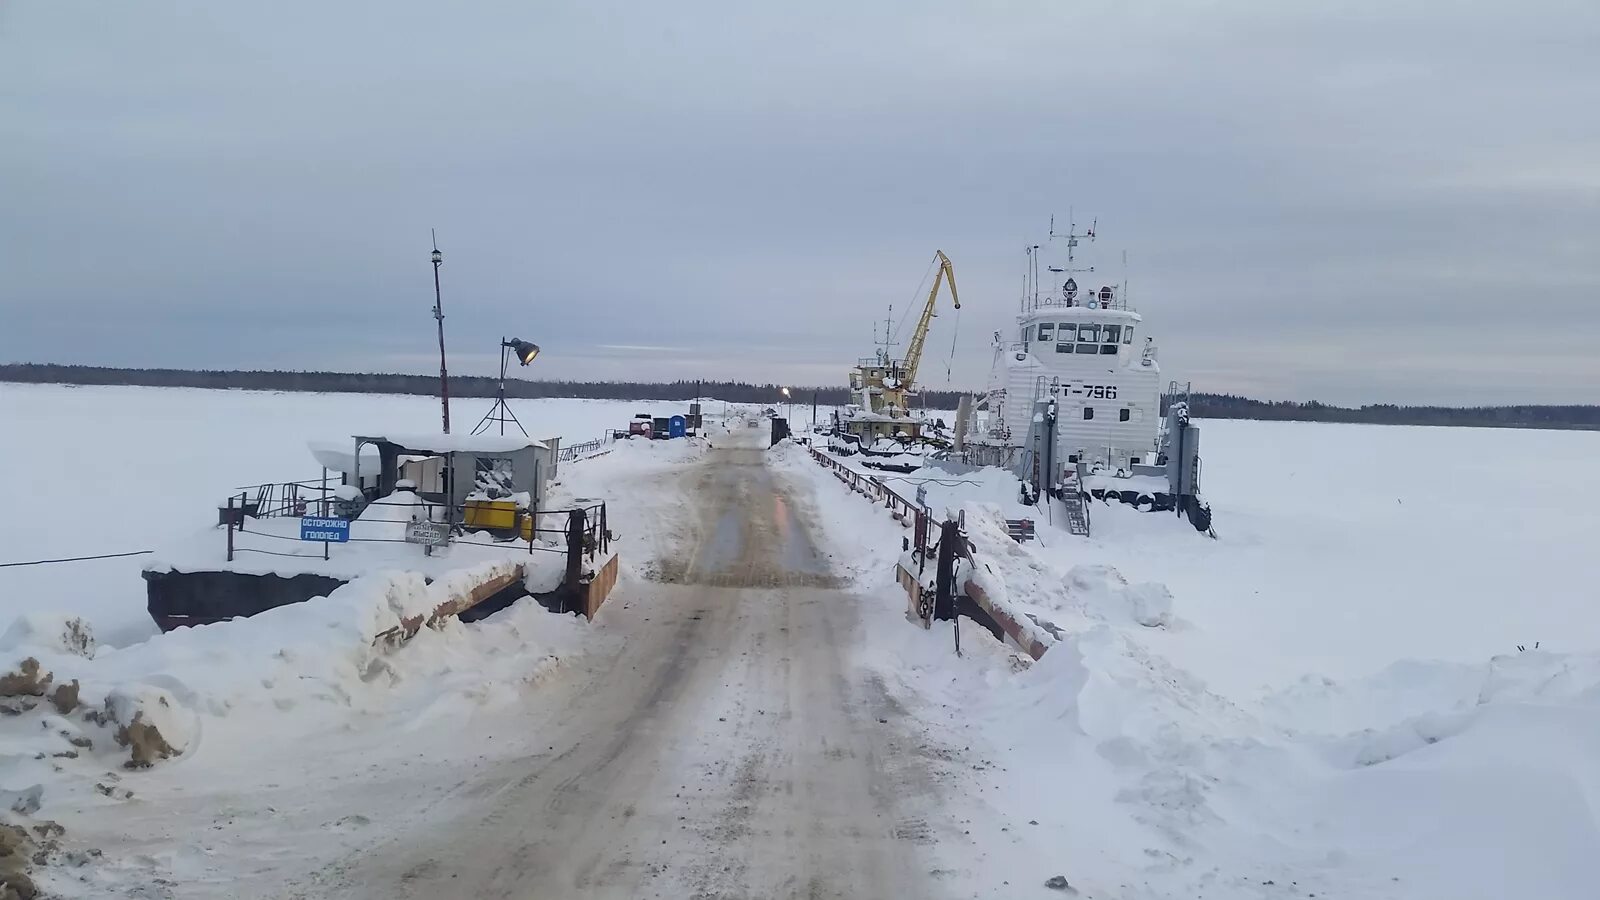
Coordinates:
(500,412)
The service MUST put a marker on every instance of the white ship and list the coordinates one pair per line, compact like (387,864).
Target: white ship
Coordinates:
(1074,403)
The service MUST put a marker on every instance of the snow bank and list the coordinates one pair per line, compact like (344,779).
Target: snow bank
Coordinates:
(1428,778)
(1101,592)
(155,694)
(56,632)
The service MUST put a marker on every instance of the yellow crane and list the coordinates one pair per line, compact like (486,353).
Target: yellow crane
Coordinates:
(895,396)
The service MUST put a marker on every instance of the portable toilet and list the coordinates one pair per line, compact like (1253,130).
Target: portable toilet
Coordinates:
(677,426)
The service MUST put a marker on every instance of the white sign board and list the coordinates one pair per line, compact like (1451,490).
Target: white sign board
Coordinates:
(429,534)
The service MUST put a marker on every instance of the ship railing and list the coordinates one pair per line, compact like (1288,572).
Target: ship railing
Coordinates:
(1081,302)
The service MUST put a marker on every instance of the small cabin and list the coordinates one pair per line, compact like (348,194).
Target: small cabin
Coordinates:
(452,469)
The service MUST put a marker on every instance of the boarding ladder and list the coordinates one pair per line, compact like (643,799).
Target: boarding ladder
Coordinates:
(1072,499)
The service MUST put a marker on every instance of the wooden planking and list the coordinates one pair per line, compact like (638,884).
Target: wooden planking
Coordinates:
(448,609)
(599,587)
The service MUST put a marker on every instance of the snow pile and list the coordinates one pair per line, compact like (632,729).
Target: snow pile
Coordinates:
(153,694)
(1155,733)
(1138,772)
(1101,592)
(1130,773)
(56,632)
(150,723)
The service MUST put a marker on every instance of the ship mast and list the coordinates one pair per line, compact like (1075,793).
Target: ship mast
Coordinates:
(1071,237)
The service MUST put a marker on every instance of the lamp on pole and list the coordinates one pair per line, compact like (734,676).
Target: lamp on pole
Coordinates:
(790,401)
(438,315)
(501,411)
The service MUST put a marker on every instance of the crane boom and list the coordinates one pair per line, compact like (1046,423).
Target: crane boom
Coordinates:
(920,336)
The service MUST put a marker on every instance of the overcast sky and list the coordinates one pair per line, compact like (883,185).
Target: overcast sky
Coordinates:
(1348,201)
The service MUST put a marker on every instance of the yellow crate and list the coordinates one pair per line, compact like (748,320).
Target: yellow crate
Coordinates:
(493,515)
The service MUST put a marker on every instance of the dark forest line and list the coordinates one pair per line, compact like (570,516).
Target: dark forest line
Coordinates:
(1205,406)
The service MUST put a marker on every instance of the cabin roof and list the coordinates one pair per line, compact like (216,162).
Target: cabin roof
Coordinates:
(437,443)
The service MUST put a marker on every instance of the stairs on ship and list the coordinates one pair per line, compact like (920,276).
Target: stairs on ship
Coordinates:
(1077,510)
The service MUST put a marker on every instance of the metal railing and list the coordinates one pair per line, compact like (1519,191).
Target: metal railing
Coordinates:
(586,449)
(580,531)
(903,510)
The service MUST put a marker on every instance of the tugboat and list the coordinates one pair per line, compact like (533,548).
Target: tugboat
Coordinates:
(1074,404)
(879,422)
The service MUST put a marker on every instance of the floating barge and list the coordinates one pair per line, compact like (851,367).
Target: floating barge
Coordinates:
(470,510)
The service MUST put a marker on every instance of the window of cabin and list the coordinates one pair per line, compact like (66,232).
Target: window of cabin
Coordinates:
(1027,334)
(1088,412)
(1088,334)
(1108,349)
(1125,415)
(1047,331)
(1089,348)
(492,476)
(1063,348)
(1111,334)
(1127,335)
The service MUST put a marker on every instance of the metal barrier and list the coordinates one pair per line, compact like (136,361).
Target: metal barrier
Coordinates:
(954,592)
(583,531)
(586,449)
(904,511)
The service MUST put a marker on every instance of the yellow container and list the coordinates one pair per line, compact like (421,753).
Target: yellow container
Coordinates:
(492,515)
(526,526)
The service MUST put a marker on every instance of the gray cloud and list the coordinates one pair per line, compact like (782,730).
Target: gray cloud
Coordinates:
(1358,201)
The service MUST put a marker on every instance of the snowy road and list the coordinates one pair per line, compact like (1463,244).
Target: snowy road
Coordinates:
(726,751)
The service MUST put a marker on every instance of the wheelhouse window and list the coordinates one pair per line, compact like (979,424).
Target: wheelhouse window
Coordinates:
(1027,334)
(1127,335)
(1089,348)
(1047,331)
(1088,334)
(1111,334)
(1108,349)
(1064,348)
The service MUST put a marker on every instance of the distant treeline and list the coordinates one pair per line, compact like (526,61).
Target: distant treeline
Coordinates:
(1228,406)
(1205,406)
(460,385)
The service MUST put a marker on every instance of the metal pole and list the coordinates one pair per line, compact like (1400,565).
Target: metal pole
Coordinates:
(324,507)
(944,572)
(502,398)
(230,528)
(438,315)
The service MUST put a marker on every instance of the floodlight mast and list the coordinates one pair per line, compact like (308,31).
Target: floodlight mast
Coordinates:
(438,315)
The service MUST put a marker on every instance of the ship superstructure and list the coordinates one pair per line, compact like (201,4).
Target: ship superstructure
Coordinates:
(1074,403)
